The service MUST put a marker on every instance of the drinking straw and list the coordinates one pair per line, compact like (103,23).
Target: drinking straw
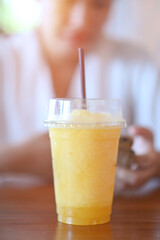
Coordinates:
(82,71)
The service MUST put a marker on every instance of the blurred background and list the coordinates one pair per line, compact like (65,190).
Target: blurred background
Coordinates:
(136,21)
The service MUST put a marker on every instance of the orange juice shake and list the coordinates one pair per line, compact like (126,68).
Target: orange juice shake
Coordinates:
(84,153)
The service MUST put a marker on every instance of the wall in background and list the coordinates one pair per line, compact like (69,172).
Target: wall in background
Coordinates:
(137,21)
(18,15)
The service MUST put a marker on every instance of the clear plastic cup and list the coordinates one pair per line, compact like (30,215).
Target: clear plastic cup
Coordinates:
(84,136)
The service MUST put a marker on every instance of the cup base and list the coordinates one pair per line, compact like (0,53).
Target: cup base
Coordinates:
(84,215)
(80,221)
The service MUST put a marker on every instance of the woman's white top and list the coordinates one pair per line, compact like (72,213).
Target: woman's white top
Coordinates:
(113,70)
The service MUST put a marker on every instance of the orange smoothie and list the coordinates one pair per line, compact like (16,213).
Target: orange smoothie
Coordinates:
(84,161)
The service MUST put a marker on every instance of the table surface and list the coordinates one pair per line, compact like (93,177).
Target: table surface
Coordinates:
(30,213)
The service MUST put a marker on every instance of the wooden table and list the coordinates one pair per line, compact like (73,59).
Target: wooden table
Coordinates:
(27,214)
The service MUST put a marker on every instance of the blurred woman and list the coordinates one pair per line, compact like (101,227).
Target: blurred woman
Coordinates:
(37,66)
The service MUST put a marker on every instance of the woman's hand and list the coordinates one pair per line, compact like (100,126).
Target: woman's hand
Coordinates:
(146,163)
(32,157)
